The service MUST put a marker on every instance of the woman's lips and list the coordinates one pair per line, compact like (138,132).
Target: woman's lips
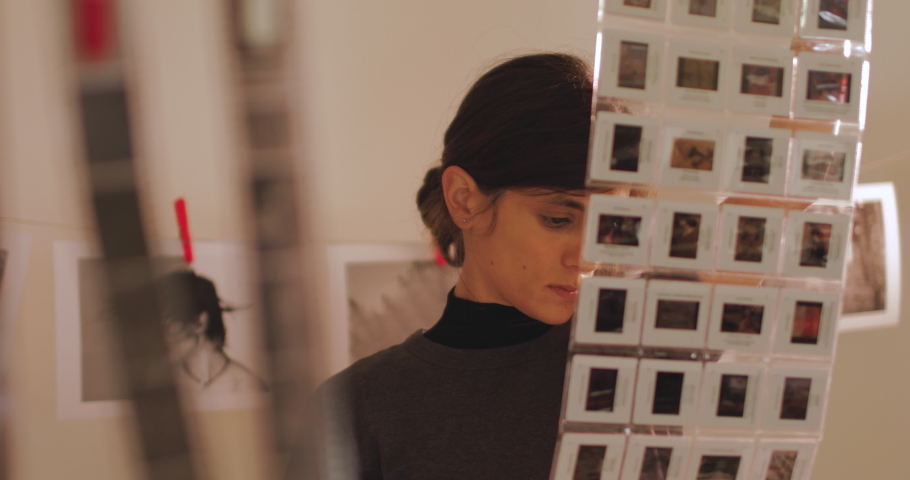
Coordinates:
(565,292)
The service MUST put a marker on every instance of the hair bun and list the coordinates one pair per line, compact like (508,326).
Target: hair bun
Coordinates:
(431,182)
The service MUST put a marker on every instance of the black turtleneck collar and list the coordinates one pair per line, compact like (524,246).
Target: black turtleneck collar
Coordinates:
(471,325)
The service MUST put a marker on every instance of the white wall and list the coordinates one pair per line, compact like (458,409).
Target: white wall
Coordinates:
(378,86)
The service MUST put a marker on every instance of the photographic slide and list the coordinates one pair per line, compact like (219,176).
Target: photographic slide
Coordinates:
(732,399)
(623,148)
(692,154)
(626,152)
(757,160)
(717,467)
(796,398)
(781,465)
(703,13)
(750,239)
(838,19)
(833,87)
(705,8)
(741,318)
(816,243)
(589,456)
(795,404)
(656,457)
(779,459)
(823,166)
(609,311)
(590,462)
(762,80)
(601,389)
(677,315)
(698,70)
(833,14)
(806,322)
(766,11)
(684,242)
(633,64)
(618,230)
(667,392)
(656,463)
(828,86)
(745,319)
(649,9)
(769,17)
(668,389)
(701,74)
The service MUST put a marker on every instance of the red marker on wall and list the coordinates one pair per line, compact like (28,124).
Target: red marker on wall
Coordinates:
(94,29)
(184,225)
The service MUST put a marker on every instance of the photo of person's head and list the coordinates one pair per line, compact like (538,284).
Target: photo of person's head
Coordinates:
(637,3)
(684,239)
(655,463)
(816,242)
(795,404)
(781,465)
(718,467)
(633,64)
(692,154)
(668,387)
(590,462)
(731,402)
(750,239)
(832,87)
(807,319)
(824,166)
(626,148)
(757,160)
(601,390)
(833,14)
(766,11)
(677,315)
(698,73)
(705,8)
(737,318)
(762,80)
(611,310)
(618,230)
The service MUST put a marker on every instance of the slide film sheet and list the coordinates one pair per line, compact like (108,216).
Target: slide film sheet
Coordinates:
(704,236)
(586,456)
(696,315)
(727,158)
(742,396)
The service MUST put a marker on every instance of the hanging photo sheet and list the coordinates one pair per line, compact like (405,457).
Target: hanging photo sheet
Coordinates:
(806,322)
(872,293)
(14,253)
(667,392)
(699,74)
(702,13)
(727,458)
(769,17)
(816,244)
(763,81)
(618,230)
(750,239)
(631,65)
(652,9)
(835,19)
(828,86)
(600,389)
(731,394)
(692,154)
(623,148)
(590,456)
(651,457)
(610,311)
(784,459)
(742,318)
(684,236)
(676,314)
(88,376)
(757,160)
(824,166)
(795,399)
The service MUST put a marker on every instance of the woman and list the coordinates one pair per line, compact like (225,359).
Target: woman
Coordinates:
(478,395)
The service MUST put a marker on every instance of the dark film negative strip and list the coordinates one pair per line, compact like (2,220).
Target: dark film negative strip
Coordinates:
(105,123)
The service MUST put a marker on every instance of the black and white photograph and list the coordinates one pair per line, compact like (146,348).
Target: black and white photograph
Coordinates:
(807,323)
(816,244)
(684,240)
(796,398)
(692,154)
(589,456)
(653,457)
(618,229)
(650,9)
(667,392)
(824,166)
(764,79)
(623,147)
(750,239)
(698,71)
(631,62)
(766,11)
(609,311)
(718,467)
(777,459)
(676,314)
(833,14)
(757,160)
(633,65)
(872,288)
(741,318)
(756,164)
(600,389)
(828,86)
(729,392)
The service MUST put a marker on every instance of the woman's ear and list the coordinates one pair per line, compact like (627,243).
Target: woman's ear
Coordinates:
(463,197)
(202,322)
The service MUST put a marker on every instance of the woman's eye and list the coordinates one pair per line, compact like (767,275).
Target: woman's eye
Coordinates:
(556,222)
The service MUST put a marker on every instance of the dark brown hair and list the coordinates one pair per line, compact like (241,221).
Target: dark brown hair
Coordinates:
(523,125)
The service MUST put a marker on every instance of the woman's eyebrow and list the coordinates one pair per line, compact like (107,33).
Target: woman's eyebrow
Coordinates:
(563,201)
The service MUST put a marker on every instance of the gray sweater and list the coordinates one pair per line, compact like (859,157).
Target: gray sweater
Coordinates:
(420,410)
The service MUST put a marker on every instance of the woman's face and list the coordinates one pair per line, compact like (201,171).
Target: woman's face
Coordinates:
(525,252)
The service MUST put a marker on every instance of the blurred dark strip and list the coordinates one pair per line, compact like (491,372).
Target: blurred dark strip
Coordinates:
(140,343)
